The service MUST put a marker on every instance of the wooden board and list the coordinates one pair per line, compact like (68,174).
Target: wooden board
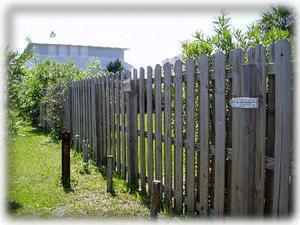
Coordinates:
(108,117)
(269,188)
(94,135)
(167,133)
(104,116)
(237,60)
(85,123)
(149,128)
(190,150)
(283,126)
(158,124)
(220,134)
(204,136)
(257,56)
(113,138)
(123,127)
(98,120)
(135,119)
(142,127)
(118,141)
(178,138)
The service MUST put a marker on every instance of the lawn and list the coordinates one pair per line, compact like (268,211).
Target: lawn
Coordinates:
(34,188)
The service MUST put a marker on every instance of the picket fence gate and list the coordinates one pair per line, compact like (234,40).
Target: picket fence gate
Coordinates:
(175,124)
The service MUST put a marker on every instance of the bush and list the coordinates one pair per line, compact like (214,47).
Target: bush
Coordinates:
(226,38)
(16,71)
(46,83)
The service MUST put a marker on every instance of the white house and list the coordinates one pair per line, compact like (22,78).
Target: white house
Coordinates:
(77,53)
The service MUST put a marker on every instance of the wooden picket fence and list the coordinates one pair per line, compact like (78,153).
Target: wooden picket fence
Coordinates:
(175,124)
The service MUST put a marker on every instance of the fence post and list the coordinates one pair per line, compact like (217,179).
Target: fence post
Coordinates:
(283,127)
(65,159)
(245,136)
(154,208)
(110,159)
(130,90)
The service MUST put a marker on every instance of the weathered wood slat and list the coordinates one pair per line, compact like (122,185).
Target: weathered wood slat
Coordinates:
(123,127)
(237,59)
(219,134)
(257,57)
(118,141)
(283,126)
(72,122)
(88,116)
(142,131)
(204,136)
(247,143)
(104,116)
(80,114)
(190,150)
(167,133)
(108,117)
(98,98)
(94,135)
(269,188)
(73,114)
(149,128)
(158,123)
(135,120)
(85,124)
(113,137)
(178,138)
(131,137)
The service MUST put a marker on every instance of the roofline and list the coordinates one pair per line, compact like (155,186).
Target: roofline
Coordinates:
(93,46)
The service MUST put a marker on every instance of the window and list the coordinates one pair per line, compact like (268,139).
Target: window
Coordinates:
(74,51)
(51,50)
(62,50)
(84,52)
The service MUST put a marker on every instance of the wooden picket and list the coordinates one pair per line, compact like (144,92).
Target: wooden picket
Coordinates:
(142,130)
(204,137)
(149,129)
(178,138)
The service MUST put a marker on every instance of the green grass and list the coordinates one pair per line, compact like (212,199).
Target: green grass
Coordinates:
(34,188)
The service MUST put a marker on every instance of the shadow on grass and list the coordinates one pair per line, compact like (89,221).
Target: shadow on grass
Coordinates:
(13,206)
(38,131)
(68,190)
(132,189)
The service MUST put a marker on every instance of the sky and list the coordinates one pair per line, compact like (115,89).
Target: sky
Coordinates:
(150,36)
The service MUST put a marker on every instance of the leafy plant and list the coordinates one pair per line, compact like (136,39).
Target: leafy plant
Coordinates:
(16,71)
(46,83)
(278,17)
(226,38)
(115,66)
(93,66)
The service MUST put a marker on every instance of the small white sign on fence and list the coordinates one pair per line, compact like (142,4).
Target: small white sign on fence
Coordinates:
(127,85)
(244,103)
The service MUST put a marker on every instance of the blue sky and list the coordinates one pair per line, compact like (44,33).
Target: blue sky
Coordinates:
(150,37)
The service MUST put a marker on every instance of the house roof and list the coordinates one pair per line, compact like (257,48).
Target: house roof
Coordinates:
(82,43)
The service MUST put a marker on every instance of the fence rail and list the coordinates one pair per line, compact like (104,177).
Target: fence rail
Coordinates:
(174,123)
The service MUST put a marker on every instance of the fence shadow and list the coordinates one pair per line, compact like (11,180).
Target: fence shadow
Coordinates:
(38,131)
(13,206)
